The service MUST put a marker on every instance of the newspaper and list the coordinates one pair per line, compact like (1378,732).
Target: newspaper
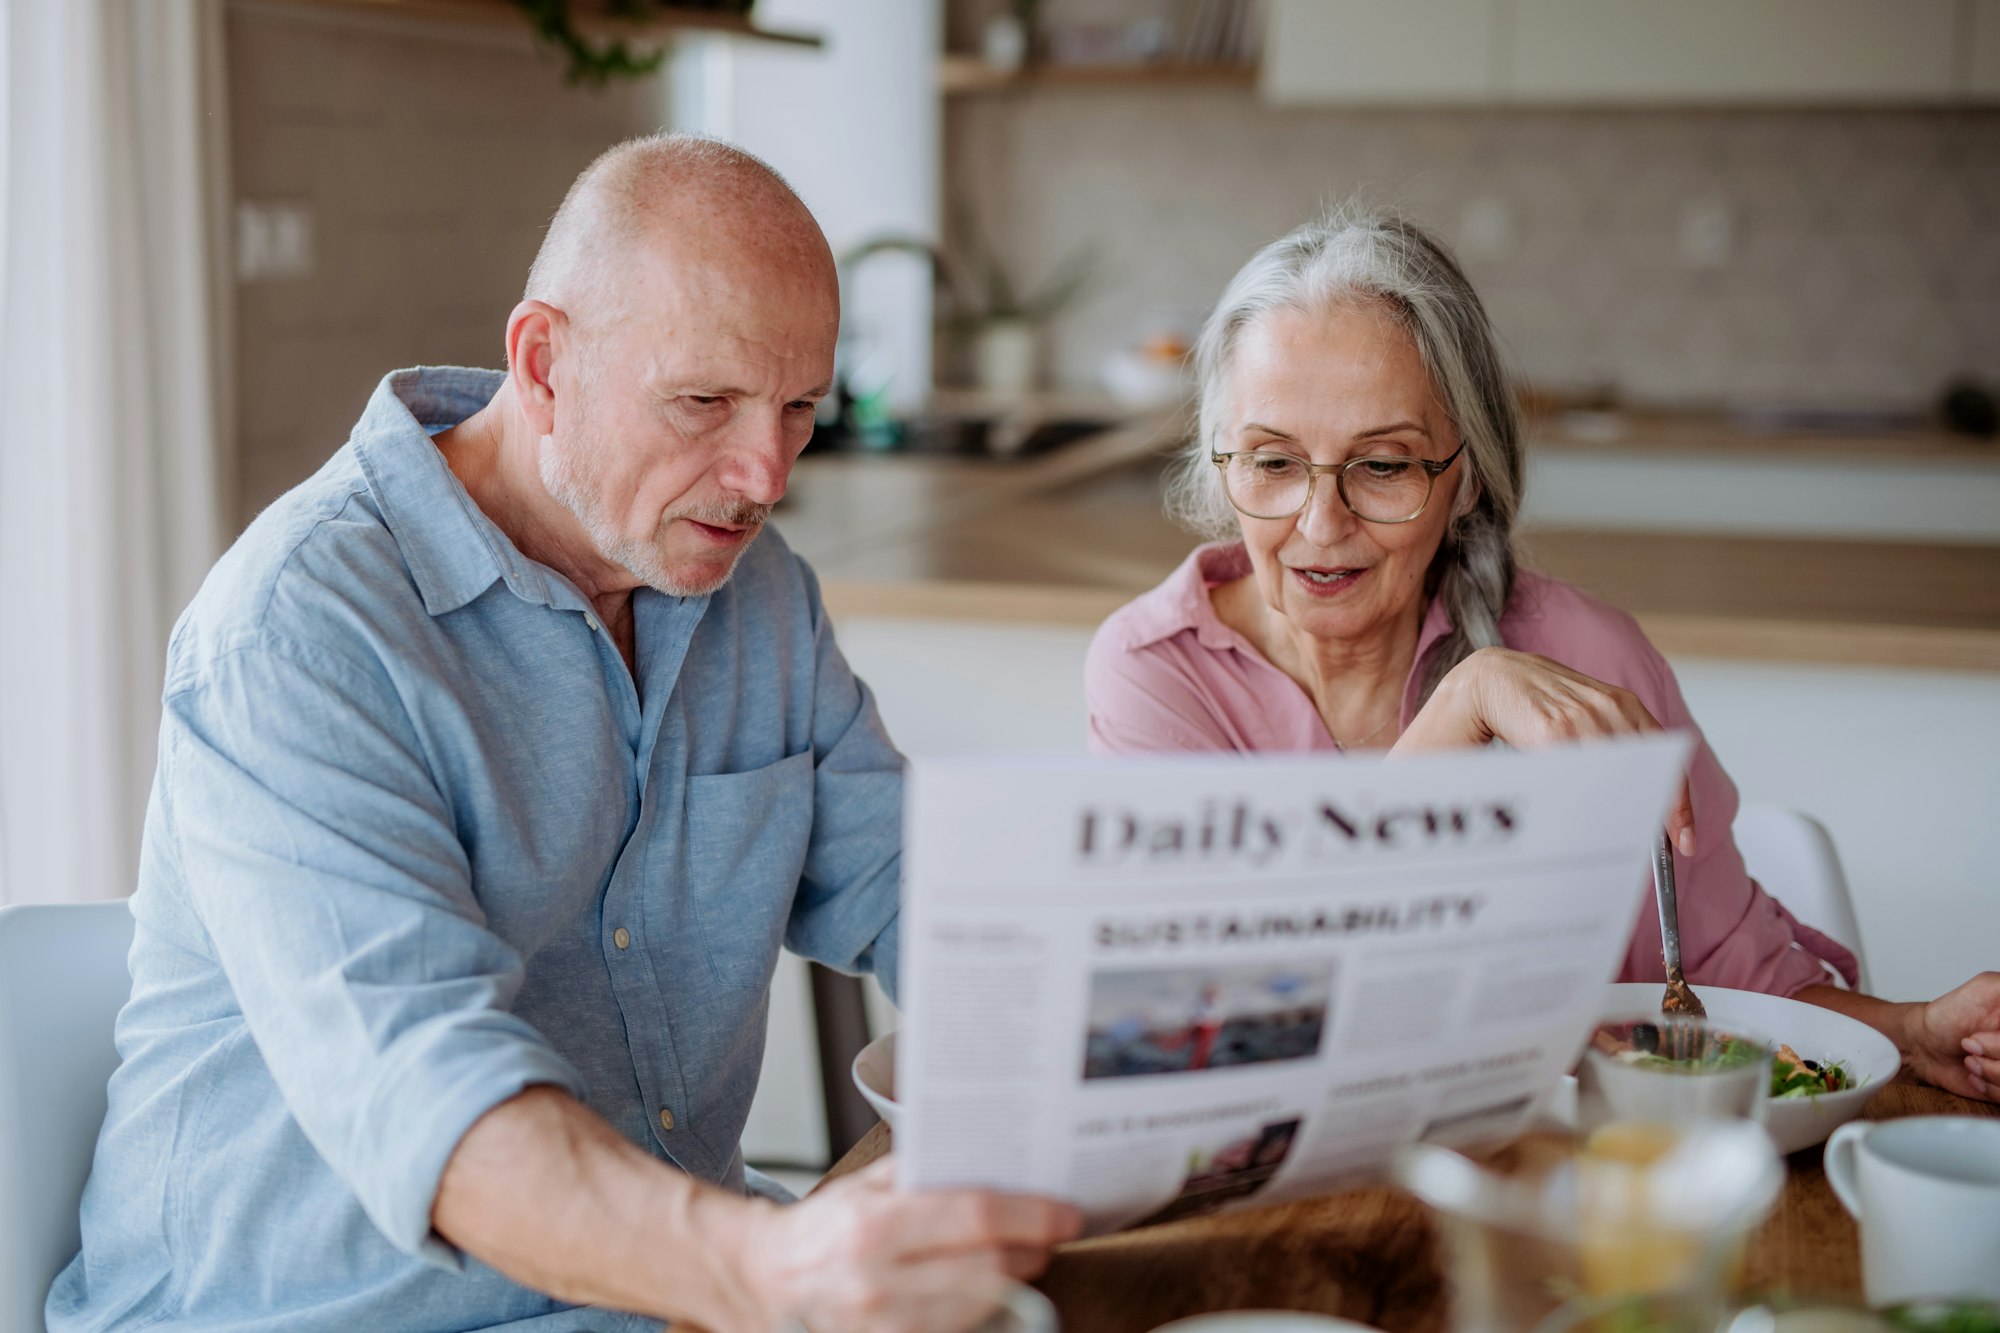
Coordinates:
(1167,986)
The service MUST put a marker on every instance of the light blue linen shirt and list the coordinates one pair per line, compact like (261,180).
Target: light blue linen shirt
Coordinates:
(418,840)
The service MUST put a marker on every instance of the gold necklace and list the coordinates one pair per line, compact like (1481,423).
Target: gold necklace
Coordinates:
(1344,746)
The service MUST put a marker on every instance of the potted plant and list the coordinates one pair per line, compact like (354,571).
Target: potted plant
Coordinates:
(1002,321)
(599,63)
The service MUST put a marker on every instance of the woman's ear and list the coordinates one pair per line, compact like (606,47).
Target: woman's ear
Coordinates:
(1468,495)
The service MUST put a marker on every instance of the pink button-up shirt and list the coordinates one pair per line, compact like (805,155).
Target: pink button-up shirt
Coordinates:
(1164,673)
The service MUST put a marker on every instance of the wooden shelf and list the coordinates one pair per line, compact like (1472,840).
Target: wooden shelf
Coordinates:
(661,25)
(968,74)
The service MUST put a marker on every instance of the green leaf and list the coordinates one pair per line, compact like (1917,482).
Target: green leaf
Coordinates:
(598,65)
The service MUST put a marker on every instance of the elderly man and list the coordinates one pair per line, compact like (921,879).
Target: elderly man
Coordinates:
(499,759)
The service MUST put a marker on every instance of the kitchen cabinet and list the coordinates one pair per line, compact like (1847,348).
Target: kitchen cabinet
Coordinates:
(1381,51)
(1631,52)
(1776,51)
(1982,55)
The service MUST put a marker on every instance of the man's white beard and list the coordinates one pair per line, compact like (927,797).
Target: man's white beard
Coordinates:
(570,478)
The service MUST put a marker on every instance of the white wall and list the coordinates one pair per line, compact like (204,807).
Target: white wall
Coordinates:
(1902,768)
(853,126)
(951,687)
(787,1122)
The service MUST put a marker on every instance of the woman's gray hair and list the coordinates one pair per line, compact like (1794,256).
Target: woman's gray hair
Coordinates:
(1358,255)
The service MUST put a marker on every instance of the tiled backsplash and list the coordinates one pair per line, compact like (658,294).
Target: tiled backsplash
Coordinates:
(430,157)
(1701,257)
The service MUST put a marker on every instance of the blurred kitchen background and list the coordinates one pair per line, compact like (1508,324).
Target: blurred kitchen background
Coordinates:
(1743,254)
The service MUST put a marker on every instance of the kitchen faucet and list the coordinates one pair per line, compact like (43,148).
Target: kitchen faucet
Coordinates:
(859,401)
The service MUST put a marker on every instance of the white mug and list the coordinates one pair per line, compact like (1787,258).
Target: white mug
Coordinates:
(1926,1191)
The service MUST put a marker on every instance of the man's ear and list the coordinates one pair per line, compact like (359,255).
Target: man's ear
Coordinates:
(533,330)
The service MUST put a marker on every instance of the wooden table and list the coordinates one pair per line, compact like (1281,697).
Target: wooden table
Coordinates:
(1370,1255)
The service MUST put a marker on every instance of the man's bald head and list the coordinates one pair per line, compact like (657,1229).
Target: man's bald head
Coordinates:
(678,197)
(664,369)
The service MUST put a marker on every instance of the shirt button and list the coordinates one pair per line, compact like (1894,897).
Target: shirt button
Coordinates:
(666,1119)
(622,938)
(592,622)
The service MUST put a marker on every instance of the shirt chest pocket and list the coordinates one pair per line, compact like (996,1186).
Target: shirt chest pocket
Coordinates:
(747,835)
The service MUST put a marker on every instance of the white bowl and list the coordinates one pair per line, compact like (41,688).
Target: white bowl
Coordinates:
(1794,1123)
(1815,1033)
(875,1076)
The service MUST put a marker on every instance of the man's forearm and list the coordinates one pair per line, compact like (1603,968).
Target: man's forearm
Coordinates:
(1952,1042)
(1892,1018)
(545,1191)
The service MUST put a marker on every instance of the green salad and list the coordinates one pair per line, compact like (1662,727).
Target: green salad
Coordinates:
(1792,1075)
(1733,1053)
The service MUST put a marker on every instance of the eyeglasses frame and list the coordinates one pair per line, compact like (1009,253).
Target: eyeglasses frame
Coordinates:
(1432,471)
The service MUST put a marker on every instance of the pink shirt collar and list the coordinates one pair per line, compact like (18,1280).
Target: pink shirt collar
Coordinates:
(1182,603)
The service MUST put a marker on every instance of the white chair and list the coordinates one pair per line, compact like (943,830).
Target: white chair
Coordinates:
(1792,856)
(63,980)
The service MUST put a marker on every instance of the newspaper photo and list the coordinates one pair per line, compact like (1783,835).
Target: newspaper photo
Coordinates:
(1165,986)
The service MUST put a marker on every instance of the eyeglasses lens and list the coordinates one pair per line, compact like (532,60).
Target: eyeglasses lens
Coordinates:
(1380,490)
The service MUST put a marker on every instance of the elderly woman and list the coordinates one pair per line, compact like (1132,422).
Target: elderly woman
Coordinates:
(1360,454)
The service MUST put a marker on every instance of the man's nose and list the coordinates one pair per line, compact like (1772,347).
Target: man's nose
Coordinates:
(760,466)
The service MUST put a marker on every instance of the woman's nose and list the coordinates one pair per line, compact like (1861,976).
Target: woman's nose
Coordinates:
(1326,518)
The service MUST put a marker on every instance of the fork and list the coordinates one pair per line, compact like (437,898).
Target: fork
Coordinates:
(1680,998)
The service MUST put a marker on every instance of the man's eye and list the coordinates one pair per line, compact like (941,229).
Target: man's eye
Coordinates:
(802,405)
(706,400)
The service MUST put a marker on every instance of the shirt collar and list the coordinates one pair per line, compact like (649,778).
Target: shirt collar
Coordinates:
(1183,603)
(454,551)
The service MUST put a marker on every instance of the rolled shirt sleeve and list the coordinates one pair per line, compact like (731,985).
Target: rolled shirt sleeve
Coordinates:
(1733,934)
(323,863)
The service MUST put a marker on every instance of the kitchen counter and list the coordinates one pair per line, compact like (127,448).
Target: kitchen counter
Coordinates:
(848,511)
(1659,433)
(1716,474)
(1069,536)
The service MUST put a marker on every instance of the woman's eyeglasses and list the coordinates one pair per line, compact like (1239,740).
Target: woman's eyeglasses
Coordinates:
(1376,488)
